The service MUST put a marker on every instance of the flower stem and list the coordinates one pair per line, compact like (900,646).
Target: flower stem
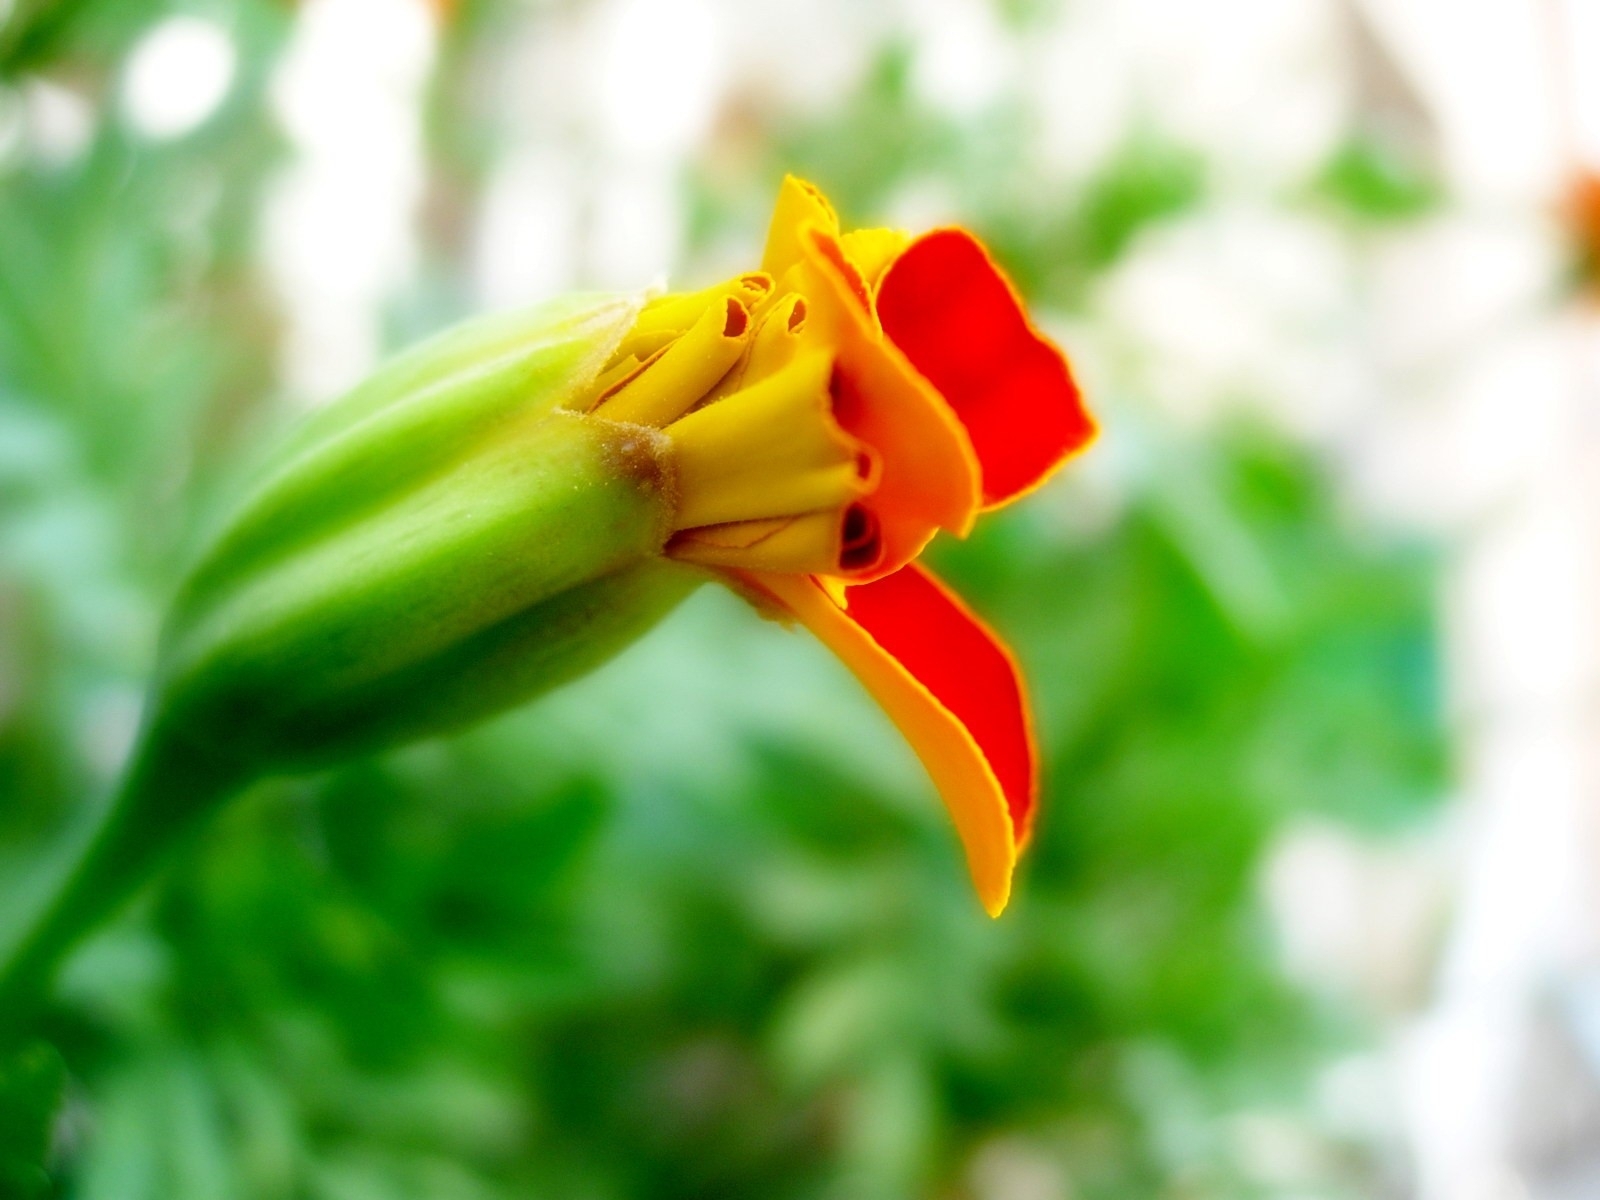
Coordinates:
(163,794)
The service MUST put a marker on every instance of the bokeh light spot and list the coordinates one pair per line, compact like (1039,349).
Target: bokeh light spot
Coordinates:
(177,76)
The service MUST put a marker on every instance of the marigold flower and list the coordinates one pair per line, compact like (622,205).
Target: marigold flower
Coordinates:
(828,416)
(507,505)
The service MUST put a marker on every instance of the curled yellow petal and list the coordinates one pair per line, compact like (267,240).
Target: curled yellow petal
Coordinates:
(800,206)
(674,313)
(770,450)
(872,250)
(675,378)
(806,543)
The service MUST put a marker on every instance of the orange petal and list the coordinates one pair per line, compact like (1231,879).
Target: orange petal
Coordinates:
(930,476)
(948,308)
(952,689)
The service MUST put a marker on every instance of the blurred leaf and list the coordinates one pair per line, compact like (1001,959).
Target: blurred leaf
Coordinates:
(32,1081)
(1374,179)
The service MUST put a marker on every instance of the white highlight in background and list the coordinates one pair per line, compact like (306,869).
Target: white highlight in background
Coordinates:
(340,234)
(963,56)
(660,81)
(177,76)
(1575,83)
(57,120)
(658,75)
(528,236)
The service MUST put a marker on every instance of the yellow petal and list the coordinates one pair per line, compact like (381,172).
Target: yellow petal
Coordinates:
(673,314)
(674,380)
(805,544)
(800,206)
(772,347)
(872,250)
(770,450)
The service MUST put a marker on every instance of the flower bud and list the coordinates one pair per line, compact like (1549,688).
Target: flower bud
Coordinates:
(453,537)
(508,505)
(449,539)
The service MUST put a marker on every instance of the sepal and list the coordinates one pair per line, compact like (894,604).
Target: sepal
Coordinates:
(450,539)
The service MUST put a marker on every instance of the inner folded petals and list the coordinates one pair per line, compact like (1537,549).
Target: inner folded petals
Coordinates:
(929,479)
(806,544)
(772,449)
(951,312)
(951,689)
(929,473)
(800,206)
(667,316)
(872,250)
(775,343)
(673,379)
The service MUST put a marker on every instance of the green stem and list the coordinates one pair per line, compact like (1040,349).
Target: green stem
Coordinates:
(163,794)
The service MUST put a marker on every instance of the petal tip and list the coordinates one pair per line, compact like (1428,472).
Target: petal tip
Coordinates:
(954,692)
(994,887)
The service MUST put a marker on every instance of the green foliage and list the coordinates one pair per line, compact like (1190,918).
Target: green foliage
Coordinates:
(31,1082)
(694,926)
(672,934)
(1376,180)
(1026,14)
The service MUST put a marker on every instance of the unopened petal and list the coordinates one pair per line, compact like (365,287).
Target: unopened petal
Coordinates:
(796,545)
(673,379)
(800,206)
(771,450)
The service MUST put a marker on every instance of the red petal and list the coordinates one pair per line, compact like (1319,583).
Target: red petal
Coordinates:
(953,654)
(946,305)
(953,690)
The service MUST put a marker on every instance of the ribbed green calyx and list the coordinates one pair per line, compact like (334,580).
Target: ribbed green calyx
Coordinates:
(448,540)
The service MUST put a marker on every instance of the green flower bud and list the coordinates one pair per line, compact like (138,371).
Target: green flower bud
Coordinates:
(449,540)
(508,505)
(453,537)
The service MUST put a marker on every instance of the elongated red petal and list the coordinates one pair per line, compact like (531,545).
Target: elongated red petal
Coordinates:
(948,308)
(952,689)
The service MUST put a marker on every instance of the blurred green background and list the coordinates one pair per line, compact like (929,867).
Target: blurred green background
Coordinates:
(696,926)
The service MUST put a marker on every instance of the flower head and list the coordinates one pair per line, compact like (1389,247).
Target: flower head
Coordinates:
(506,506)
(827,417)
